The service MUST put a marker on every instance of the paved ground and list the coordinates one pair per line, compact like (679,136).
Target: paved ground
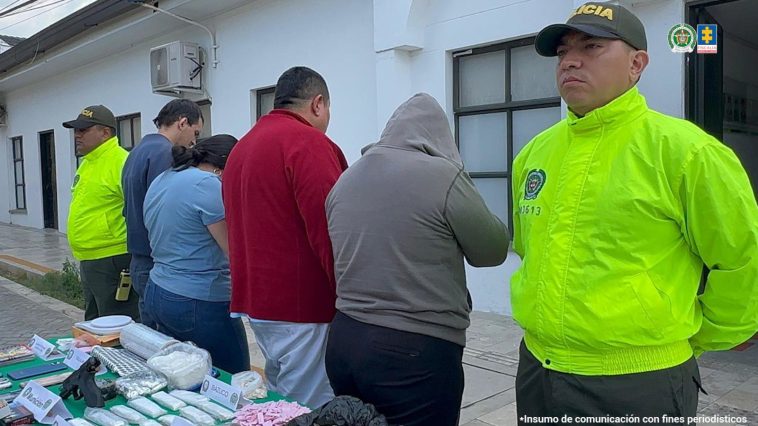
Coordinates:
(490,358)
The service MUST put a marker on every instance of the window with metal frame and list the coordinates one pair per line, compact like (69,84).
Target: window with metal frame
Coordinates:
(503,96)
(264,101)
(205,109)
(18,172)
(129,130)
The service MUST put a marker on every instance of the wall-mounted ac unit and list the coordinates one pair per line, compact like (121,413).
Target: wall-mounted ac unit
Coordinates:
(175,68)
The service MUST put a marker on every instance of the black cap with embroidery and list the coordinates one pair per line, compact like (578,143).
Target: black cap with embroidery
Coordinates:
(606,20)
(90,116)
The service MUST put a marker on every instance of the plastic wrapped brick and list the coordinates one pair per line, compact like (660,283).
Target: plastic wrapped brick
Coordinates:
(216,411)
(168,401)
(167,419)
(79,422)
(150,422)
(131,415)
(103,417)
(184,365)
(197,416)
(188,397)
(146,407)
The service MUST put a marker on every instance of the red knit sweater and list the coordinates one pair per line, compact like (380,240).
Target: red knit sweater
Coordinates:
(275,185)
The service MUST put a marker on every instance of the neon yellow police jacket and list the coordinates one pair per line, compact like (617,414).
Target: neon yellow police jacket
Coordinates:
(96,225)
(615,215)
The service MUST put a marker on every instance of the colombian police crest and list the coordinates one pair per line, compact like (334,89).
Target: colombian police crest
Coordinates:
(535,180)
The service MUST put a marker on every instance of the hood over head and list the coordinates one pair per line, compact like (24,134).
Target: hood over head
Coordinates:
(420,124)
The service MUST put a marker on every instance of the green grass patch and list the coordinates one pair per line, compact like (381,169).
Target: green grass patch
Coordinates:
(63,285)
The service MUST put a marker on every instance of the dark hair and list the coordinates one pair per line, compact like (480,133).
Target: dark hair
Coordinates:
(213,150)
(298,85)
(175,110)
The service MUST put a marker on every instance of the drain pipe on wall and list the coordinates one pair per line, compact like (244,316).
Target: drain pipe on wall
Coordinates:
(214,46)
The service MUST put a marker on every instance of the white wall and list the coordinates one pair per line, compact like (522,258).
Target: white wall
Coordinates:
(262,40)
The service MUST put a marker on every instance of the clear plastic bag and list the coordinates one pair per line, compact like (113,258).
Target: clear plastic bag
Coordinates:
(140,383)
(216,411)
(168,401)
(184,365)
(188,397)
(133,416)
(146,407)
(167,419)
(103,417)
(143,340)
(197,416)
(251,383)
(79,422)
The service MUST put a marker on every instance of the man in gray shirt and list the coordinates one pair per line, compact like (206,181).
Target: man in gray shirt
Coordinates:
(401,221)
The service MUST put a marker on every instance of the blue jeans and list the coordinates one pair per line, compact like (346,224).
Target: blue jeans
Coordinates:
(207,324)
(139,270)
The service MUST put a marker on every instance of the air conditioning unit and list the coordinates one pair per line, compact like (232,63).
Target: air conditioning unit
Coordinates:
(175,68)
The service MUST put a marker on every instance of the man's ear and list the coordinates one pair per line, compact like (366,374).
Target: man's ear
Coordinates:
(640,60)
(318,105)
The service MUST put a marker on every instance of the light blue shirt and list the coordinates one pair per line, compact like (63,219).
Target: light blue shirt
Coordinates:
(179,206)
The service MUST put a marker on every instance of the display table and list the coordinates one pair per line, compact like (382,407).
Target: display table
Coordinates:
(77,407)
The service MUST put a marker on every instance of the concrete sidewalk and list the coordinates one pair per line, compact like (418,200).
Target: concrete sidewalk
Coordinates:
(490,358)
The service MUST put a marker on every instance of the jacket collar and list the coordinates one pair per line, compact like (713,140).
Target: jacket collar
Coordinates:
(624,109)
(104,148)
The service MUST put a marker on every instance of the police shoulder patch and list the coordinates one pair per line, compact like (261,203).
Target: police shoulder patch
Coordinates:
(535,180)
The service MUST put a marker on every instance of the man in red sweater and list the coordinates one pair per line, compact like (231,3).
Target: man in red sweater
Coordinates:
(275,185)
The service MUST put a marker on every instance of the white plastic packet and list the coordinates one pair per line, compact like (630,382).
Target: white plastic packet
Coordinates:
(167,419)
(197,416)
(184,365)
(251,383)
(218,412)
(103,417)
(79,422)
(188,397)
(146,407)
(168,401)
(150,422)
(133,416)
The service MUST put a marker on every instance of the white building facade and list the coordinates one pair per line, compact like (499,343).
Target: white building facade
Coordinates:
(475,57)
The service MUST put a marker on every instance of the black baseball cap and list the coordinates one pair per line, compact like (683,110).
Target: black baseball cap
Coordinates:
(598,19)
(90,116)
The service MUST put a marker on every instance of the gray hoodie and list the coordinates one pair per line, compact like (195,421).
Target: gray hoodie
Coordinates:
(401,220)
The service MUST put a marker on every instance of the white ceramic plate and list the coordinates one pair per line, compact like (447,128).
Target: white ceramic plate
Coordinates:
(111,321)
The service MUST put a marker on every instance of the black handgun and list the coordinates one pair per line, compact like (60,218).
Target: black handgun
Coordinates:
(81,383)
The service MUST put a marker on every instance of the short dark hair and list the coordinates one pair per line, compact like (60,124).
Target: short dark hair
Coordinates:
(176,110)
(298,85)
(213,150)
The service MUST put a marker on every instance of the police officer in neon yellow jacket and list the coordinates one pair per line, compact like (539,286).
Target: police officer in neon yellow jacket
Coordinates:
(617,209)
(96,227)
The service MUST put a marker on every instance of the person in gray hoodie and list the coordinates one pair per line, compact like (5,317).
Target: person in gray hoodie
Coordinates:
(401,221)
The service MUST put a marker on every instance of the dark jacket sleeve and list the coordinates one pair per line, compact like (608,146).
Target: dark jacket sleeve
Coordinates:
(482,236)
(314,168)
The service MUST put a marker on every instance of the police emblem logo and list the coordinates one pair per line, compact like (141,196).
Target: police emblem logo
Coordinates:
(535,180)
(682,38)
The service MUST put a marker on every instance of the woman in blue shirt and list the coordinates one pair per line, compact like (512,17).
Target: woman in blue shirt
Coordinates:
(189,287)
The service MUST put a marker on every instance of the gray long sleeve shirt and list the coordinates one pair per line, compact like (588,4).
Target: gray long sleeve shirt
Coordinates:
(401,221)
